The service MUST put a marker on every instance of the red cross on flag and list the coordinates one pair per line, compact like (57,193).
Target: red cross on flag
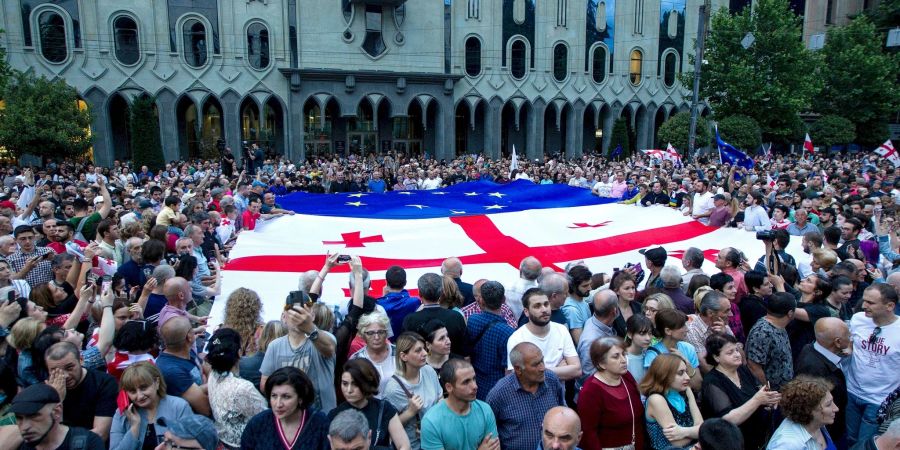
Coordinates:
(888,152)
(489,227)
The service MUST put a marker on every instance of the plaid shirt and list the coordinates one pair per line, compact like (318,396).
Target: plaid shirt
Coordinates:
(489,351)
(41,272)
(472,308)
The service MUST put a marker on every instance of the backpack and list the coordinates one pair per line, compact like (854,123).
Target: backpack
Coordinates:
(78,234)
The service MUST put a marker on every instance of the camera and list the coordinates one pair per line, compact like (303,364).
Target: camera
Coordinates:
(765,235)
(297,297)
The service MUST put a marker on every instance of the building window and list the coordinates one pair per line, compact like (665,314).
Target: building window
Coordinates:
(258,46)
(474,9)
(829,12)
(636,67)
(195,52)
(598,64)
(638,16)
(473,57)
(374,43)
(128,50)
(670,66)
(517,59)
(561,10)
(52,29)
(560,62)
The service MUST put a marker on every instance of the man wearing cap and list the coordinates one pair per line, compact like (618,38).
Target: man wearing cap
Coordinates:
(137,214)
(38,416)
(655,260)
(721,214)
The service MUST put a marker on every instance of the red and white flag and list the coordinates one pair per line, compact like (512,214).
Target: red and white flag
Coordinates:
(808,146)
(888,152)
(770,181)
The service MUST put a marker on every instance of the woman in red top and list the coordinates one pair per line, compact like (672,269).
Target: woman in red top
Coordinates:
(609,404)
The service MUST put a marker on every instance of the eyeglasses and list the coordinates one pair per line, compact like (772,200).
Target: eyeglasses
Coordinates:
(874,335)
(376,333)
(171,445)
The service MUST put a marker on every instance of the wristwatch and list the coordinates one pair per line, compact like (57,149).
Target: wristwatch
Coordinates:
(314,335)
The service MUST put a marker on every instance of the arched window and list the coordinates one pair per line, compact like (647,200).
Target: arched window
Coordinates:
(128,50)
(671,61)
(473,57)
(258,46)
(598,64)
(195,47)
(636,67)
(517,59)
(54,46)
(560,61)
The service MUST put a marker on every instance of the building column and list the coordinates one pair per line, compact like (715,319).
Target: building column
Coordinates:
(444,133)
(492,122)
(575,129)
(100,130)
(534,140)
(295,147)
(168,125)
(231,117)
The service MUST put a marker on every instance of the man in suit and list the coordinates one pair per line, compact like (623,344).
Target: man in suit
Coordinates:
(823,359)
(452,267)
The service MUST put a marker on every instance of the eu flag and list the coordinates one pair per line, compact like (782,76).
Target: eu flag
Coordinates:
(729,154)
(617,152)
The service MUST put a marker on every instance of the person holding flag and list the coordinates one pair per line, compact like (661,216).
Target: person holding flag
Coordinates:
(729,154)
(808,146)
(888,152)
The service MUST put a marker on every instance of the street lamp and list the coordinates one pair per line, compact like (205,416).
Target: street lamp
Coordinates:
(598,133)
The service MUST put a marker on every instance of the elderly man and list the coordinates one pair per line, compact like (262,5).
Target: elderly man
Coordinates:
(823,359)
(598,326)
(470,310)
(430,288)
(801,224)
(452,267)
(671,279)
(692,262)
(729,262)
(556,286)
(561,429)
(529,270)
(521,398)
(349,430)
(715,310)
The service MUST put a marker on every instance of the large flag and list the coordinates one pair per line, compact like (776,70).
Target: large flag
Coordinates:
(490,227)
(808,146)
(514,162)
(729,154)
(888,152)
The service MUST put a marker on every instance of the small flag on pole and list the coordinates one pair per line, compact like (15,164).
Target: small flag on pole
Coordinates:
(888,152)
(514,163)
(808,146)
(731,155)
(617,152)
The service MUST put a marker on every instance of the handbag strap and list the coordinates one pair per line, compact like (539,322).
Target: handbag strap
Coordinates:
(482,333)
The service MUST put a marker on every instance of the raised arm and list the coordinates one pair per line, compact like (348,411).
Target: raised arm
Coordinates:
(106,207)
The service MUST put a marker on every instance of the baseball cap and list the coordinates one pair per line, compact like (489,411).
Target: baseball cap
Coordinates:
(656,255)
(720,197)
(33,398)
(144,204)
(196,427)
(257,183)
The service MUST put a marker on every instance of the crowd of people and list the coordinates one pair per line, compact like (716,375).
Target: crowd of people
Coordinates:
(107,276)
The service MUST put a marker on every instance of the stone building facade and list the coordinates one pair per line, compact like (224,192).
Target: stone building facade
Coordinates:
(308,77)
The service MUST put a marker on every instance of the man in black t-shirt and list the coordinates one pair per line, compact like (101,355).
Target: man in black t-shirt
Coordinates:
(430,287)
(38,412)
(90,396)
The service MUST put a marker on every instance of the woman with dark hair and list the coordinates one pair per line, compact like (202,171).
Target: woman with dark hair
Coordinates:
(753,305)
(724,283)
(291,424)
(697,281)
(233,400)
(437,343)
(610,403)
(358,386)
(625,287)
(730,391)
(813,305)
(808,407)
(671,329)
(134,342)
(637,340)
(187,268)
(673,418)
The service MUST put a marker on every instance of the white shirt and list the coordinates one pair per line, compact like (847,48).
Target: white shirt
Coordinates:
(555,346)
(514,293)
(756,219)
(702,204)
(431,183)
(872,370)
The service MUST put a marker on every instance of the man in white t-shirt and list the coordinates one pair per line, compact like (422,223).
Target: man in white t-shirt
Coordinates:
(560,356)
(702,202)
(872,370)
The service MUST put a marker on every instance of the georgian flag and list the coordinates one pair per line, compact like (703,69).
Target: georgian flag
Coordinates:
(490,227)
(808,145)
(887,151)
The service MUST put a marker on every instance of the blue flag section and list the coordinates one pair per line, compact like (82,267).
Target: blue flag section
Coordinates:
(731,155)
(464,199)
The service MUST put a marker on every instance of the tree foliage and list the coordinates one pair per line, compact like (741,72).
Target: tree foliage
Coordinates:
(886,14)
(145,141)
(860,77)
(676,131)
(743,132)
(42,118)
(770,81)
(5,71)
(620,137)
(832,130)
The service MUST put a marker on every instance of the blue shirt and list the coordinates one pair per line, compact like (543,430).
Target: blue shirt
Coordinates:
(519,414)
(398,305)
(685,348)
(443,429)
(179,373)
(577,312)
(377,186)
(489,353)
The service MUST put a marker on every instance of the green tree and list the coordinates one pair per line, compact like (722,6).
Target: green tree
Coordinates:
(620,137)
(832,130)
(5,71)
(886,14)
(771,81)
(676,131)
(145,141)
(42,118)
(742,132)
(860,76)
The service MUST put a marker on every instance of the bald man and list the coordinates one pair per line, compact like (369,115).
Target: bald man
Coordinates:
(180,366)
(529,271)
(561,429)
(178,293)
(822,359)
(452,267)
